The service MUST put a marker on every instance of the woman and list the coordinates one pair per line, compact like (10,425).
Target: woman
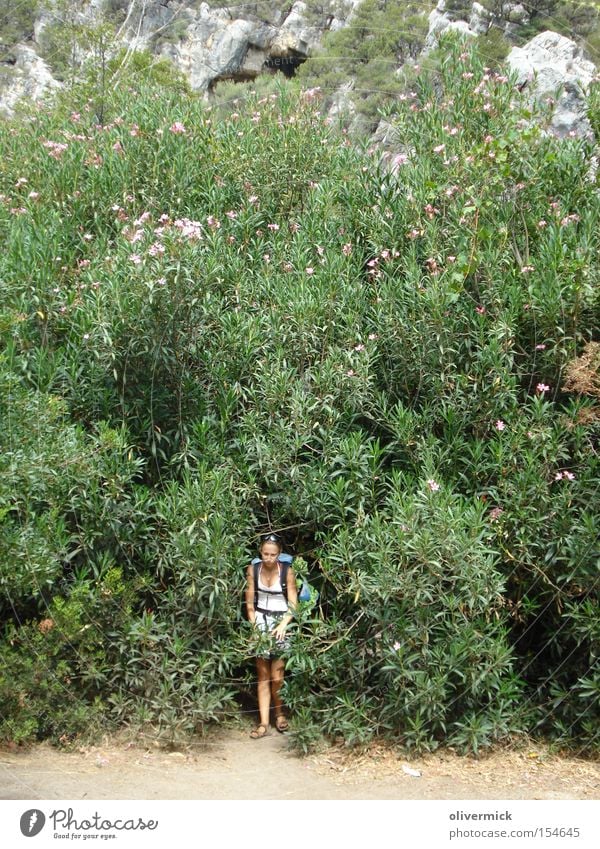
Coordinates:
(271,614)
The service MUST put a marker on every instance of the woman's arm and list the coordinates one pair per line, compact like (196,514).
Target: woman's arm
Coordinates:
(250,611)
(292,594)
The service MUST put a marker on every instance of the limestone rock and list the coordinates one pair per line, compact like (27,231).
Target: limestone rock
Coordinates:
(294,33)
(29,78)
(479,20)
(440,21)
(550,62)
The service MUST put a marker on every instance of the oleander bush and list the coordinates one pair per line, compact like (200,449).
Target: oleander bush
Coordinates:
(216,322)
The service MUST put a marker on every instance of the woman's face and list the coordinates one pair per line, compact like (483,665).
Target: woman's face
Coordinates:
(269,551)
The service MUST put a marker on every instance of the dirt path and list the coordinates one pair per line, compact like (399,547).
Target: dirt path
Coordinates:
(231,766)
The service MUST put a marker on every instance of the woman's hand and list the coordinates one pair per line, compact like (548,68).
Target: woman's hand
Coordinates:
(279,631)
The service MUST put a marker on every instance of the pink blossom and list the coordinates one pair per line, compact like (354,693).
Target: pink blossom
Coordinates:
(542,387)
(527,268)
(542,223)
(347,249)
(480,310)
(213,223)
(569,476)
(500,425)
(540,347)
(399,159)
(569,218)
(287,266)
(177,127)
(350,373)
(440,148)
(232,215)
(359,347)
(135,259)
(273,227)
(433,485)
(162,281)
(33,195)
(311,93)
(496,513)
(253,199)
(372,336)
(309,270)
(397,646)
(189,229)
(118,147)
(156,249)
(55,149)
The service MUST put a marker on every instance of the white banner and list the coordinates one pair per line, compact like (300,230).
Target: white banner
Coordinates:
(291,824)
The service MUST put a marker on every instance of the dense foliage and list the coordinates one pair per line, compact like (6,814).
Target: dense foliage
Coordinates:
(213,325)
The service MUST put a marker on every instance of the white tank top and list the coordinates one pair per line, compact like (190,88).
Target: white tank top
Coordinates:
(271,598)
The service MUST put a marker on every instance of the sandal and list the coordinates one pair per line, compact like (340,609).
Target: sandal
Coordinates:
(281,723)
(259,732)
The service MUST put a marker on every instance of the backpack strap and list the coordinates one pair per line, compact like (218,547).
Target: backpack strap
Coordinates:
(256,566)
(283,572)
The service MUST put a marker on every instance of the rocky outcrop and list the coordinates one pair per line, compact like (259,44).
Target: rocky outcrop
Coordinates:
(211,44)
(29,77)
(440,21)
(551,65)
(214,46)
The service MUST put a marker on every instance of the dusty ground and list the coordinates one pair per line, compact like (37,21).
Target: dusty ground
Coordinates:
(232,766)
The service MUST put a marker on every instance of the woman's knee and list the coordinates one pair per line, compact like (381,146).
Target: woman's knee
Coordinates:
(263,668)
(277,668)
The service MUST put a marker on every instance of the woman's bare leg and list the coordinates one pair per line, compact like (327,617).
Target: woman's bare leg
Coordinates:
(277,667)
(263,668)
